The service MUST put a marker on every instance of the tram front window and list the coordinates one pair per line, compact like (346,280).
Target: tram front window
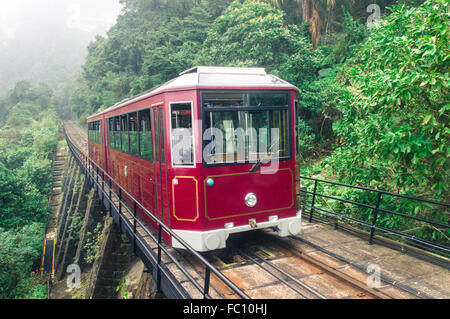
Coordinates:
(243,127)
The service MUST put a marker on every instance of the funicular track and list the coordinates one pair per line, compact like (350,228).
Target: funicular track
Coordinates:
(264,267)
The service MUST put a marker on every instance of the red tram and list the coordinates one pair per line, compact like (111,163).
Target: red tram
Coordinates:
(211,153)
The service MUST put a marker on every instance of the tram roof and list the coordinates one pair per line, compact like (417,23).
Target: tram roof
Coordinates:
(214,77)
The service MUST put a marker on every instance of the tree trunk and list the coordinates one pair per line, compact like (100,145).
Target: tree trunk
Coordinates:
(311,14)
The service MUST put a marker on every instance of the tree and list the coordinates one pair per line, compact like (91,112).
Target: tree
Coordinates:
(394,125)
(250,34)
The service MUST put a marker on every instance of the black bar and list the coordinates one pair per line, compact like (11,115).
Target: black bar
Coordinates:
(134,227)
(380,210)
(158,269)
(313,201)
(120,209)
(386,230)
(375,216)
(378,191)
(207,282)
(110,198)
(103,187)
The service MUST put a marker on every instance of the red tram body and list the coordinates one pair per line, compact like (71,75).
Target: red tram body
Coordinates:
(160,148)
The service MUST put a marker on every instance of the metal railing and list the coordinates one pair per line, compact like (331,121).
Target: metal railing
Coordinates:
(376,208)
(100,180)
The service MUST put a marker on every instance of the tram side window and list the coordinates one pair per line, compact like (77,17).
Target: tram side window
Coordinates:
(111,133)
(124,134)
(182,139)
(94,132)
(117,134)
(134,135)
(145,136)
(99,132)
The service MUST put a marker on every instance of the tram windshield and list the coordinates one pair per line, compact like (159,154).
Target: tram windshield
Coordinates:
(244,127)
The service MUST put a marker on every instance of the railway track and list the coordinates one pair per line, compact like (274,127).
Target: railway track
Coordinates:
(265,267)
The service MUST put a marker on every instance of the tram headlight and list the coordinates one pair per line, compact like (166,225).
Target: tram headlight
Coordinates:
(251,200)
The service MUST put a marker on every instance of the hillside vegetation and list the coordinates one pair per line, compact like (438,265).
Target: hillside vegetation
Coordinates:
(28,138)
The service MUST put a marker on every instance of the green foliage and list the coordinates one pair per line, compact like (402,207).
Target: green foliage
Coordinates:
(92,244)
(31,288)
(249,34)
(395,121)
(305,138)
(123,288)
(20,253)
(394,132)
(352,32)
(28,138)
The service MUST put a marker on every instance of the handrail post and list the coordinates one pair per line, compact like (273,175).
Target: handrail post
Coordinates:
(110,197)
(158,269)
(374,221)
(120,208)
(313,201)
(134,227)
(207,282)
(103,187)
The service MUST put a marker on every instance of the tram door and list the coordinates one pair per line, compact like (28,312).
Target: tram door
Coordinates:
(160,165)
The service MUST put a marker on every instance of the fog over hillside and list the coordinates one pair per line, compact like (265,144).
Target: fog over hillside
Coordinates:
(46,40)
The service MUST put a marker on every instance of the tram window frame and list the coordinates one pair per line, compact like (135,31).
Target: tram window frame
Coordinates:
(133,133)
(125,148)
(191,110)
(156,128)
(207,110)
(142,135)
(163,136)
(99,132)
(160,142)
(117,134)
(94,132)
(112,140)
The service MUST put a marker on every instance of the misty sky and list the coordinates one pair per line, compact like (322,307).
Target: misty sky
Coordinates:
(46,40)
(87,15)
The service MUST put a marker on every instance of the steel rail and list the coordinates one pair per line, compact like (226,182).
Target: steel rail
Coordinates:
(274,275)
(298,282)
(383,278)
